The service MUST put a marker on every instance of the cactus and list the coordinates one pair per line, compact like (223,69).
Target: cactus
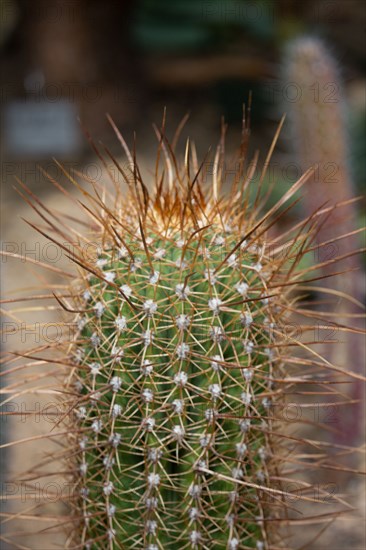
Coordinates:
(181,356)
(319,127)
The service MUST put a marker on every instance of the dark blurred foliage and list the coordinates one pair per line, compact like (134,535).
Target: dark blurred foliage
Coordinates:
(188,25)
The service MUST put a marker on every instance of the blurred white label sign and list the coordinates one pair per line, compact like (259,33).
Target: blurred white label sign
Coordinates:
(40,128)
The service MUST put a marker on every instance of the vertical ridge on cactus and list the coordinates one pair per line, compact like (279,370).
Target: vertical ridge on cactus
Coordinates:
(186,340)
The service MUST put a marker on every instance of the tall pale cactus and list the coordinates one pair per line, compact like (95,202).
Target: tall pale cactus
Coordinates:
(187,339)
(318,115)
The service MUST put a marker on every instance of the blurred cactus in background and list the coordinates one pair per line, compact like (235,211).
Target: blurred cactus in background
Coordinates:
(319,126)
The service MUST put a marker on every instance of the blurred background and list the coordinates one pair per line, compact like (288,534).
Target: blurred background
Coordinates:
(63,59)
(66,63)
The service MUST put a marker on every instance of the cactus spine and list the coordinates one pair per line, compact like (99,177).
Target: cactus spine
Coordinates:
(180,360)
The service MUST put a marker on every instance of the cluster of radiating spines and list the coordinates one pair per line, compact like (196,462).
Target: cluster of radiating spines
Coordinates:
(176,356)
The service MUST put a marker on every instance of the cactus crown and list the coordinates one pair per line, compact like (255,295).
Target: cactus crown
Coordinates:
(180,355)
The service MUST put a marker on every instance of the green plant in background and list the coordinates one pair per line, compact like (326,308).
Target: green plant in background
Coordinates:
(181,359)
(194,26)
